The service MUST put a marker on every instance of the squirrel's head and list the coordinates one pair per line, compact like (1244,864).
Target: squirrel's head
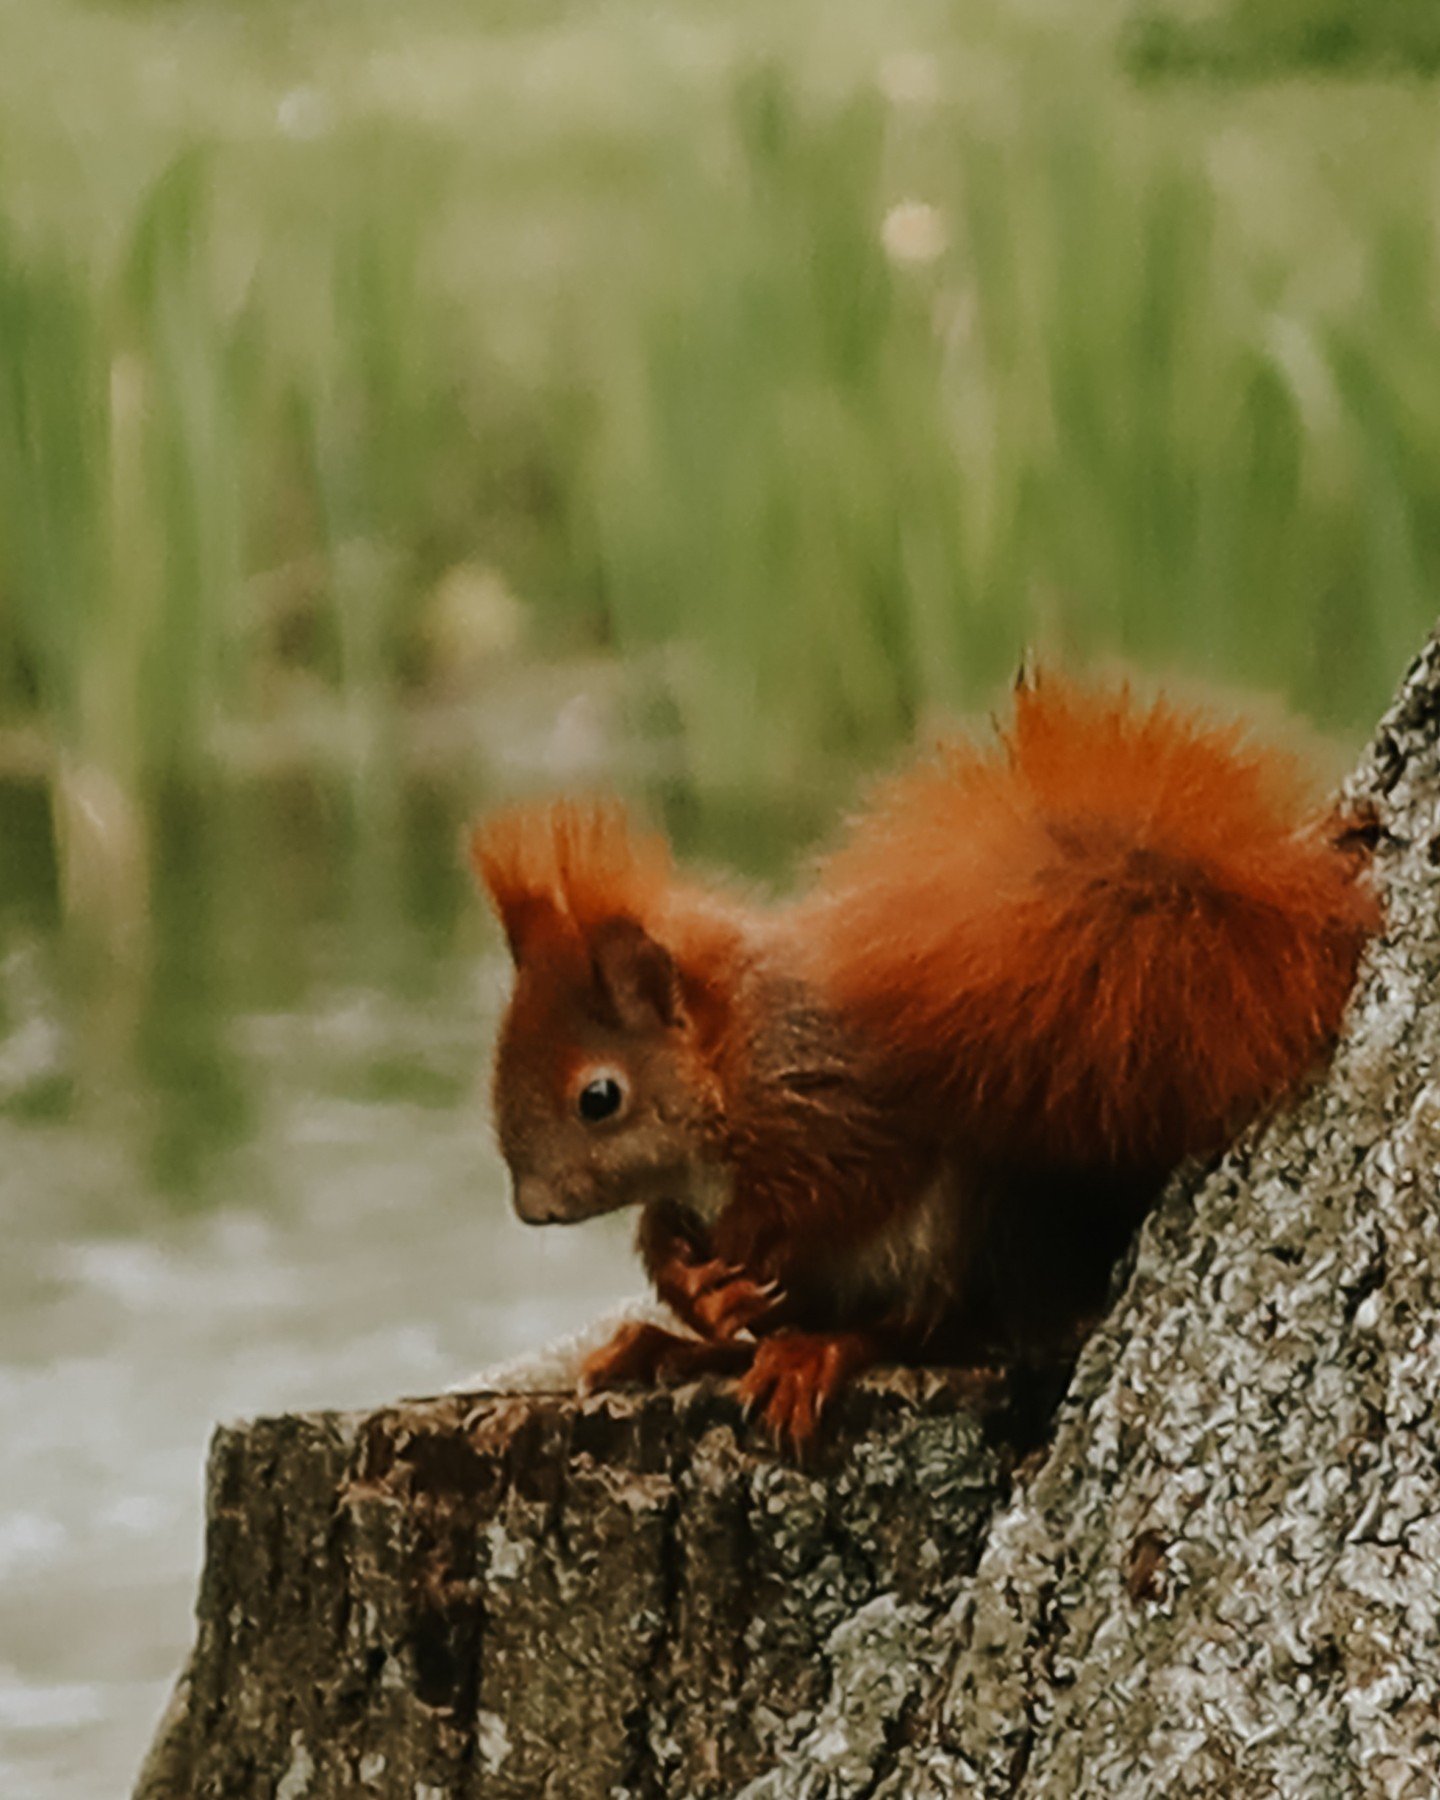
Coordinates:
(602,1091)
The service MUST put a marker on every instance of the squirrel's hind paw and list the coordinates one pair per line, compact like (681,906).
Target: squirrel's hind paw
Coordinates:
(795,1373)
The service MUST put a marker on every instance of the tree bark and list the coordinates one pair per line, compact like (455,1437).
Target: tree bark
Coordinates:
(1215,1571)
(529,1595)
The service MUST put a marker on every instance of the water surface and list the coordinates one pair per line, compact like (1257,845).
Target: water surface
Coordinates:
(244,1168)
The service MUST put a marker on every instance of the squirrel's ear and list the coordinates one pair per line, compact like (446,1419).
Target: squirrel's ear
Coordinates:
(528,913)
(529,920)
(636,977)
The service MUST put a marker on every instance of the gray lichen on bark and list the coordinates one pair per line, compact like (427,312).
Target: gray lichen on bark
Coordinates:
(1219,1576)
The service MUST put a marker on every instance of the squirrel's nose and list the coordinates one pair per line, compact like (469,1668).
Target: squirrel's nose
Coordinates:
(536,1201)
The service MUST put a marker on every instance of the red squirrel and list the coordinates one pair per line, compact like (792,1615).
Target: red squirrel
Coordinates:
(916,1112)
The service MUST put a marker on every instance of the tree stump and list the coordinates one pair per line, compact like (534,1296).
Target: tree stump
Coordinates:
(1216,1572)
(528,1595)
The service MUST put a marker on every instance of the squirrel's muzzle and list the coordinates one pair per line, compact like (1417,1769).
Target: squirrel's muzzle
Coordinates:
(538,1203)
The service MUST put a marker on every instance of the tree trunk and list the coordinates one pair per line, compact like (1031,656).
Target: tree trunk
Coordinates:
(1217,1573)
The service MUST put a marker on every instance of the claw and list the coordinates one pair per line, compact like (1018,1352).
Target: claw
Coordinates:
(717,1299)
(705,1277)
(793,1377)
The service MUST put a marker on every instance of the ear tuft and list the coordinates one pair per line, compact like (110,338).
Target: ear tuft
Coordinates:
(635,976)
(566,866)
(504,857)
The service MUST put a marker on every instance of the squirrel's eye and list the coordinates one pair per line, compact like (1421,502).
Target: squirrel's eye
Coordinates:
(601,1097)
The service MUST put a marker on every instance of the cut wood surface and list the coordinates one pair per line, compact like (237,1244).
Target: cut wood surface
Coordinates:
(1215,1570)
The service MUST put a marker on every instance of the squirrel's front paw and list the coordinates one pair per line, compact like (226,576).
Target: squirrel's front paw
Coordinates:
(649,1355)
(718,1299)
(793,1375)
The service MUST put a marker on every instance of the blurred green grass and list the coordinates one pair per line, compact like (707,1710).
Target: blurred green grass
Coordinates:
(1258,39)
(816,362)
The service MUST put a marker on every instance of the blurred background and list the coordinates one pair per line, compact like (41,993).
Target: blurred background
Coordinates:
(406,407)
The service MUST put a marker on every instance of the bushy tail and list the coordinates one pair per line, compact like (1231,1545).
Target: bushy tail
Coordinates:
(1110,941)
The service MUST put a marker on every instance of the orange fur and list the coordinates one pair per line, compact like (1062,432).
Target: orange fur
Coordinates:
(565,868)
(580,861)
(1110,941)
(919,1107)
